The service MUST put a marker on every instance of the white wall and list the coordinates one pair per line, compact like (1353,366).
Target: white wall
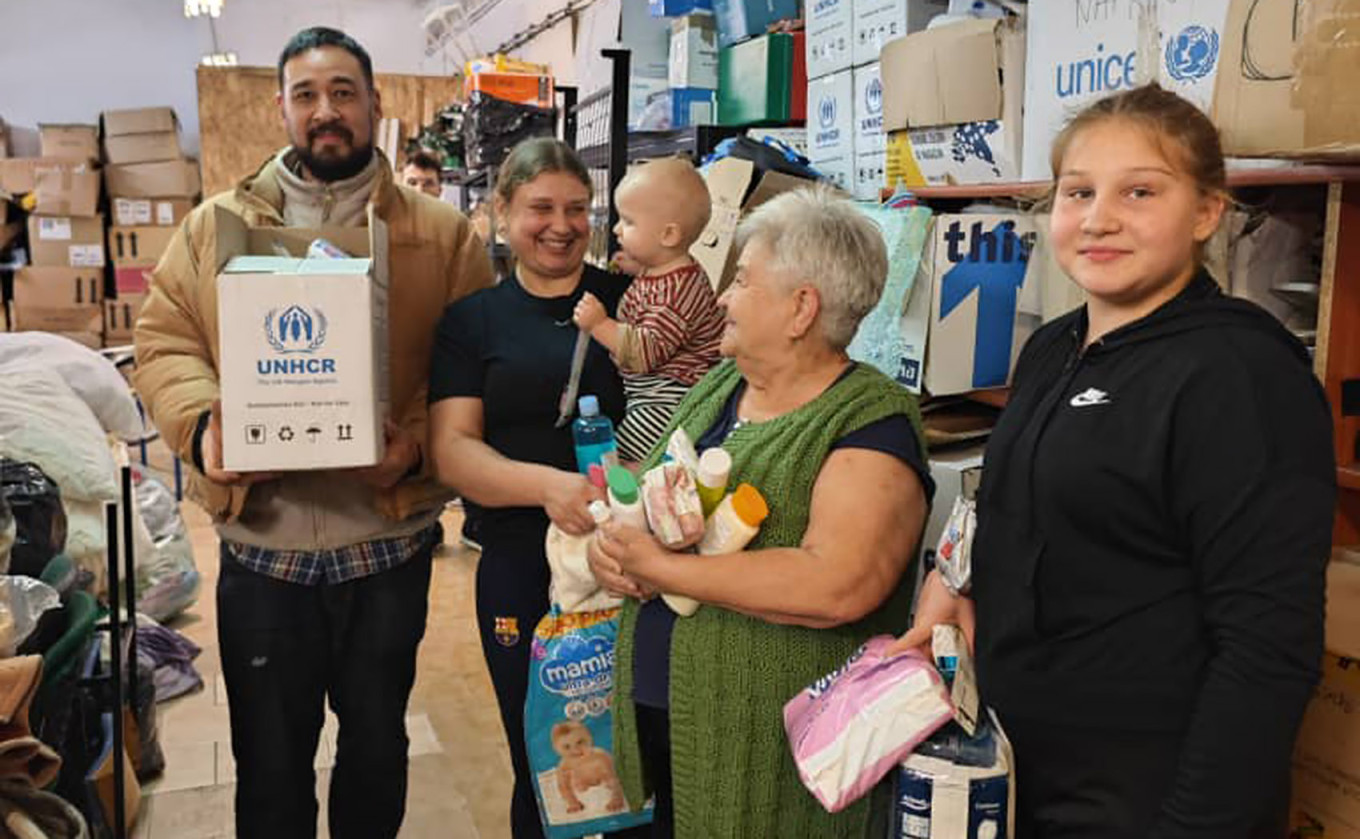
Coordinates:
(79,57)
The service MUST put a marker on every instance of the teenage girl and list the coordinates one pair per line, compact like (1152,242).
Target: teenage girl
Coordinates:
(1155,514)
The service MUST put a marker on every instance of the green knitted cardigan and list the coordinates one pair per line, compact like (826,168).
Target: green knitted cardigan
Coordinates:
(732,770)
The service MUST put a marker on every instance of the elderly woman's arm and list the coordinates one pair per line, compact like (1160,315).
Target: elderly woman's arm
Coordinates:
(463,461)
(868,511)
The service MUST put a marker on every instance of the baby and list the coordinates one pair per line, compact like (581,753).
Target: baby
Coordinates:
(669,327)
(583,766)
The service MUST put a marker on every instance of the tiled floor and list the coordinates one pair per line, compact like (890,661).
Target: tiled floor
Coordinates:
(460,773)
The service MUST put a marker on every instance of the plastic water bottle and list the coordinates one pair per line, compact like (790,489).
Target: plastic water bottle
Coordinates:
(593,434)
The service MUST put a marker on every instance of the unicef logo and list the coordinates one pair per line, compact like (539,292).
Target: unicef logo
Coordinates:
(295,330)
(1191,54)
(873,97)
(826,112)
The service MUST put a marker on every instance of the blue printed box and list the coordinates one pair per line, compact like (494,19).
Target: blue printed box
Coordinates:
(982,310)
(678,8)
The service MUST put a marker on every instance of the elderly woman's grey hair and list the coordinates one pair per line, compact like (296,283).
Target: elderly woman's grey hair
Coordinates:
(818,238)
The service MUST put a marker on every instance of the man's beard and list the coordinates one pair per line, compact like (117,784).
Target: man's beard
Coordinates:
(331,169)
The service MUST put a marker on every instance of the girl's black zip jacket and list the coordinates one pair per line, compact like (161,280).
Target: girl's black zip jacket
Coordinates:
(1154,523)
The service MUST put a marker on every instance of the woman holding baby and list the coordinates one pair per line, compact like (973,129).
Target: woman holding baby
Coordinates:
(836,448)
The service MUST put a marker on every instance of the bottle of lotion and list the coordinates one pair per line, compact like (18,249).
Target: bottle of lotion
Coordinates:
(732,526)
(625,501)
(715,465)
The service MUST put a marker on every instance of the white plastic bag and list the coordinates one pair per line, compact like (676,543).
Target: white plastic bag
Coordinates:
(22,602)
(44,422)
(93,378)
(954,554)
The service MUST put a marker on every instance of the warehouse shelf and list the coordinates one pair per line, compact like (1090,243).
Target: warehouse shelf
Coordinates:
(1285,175)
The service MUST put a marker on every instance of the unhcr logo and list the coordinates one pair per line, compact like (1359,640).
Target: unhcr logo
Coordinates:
(295,329)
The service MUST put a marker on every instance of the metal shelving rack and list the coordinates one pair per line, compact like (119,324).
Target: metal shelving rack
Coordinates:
(597,127)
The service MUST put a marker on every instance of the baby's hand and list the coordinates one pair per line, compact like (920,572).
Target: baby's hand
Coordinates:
(589,312)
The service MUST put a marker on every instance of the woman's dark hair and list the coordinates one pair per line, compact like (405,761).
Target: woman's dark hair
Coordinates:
(532,158)
(323,36)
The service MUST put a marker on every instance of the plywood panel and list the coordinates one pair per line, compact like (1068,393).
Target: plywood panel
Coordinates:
(240,126)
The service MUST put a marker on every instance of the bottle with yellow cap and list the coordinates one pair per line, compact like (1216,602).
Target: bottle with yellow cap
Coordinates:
(733,525)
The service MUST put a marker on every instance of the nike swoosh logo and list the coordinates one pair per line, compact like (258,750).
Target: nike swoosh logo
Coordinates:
(1090,397)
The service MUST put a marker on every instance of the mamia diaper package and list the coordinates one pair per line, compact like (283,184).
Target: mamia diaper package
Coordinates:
(568,726)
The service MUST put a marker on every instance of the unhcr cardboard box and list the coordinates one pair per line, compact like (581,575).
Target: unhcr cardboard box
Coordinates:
(303,361)
(831,128)
(982,309)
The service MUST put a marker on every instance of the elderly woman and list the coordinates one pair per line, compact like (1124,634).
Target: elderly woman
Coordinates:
(835,448)
(501,360)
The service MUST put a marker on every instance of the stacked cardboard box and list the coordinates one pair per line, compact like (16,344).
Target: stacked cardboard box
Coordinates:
(845,92)
(62,288)
(151,187)
(952,100)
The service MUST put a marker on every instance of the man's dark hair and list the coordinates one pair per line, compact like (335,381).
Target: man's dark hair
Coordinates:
(323,36)
(424,160)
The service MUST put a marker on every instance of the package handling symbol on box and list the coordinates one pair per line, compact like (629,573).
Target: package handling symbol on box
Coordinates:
(255,435)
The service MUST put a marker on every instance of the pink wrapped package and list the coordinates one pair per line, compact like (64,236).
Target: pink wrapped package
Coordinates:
(854,725)
(674,512)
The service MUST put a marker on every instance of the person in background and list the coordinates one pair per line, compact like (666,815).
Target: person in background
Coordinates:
(501,361)
(323,589)
(836,448)
(422,173)
(669,326)
(1155,512)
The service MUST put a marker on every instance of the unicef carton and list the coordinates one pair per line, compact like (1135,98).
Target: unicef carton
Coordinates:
(957,91)
(303,364)
(982,310)
(831,127)
(1084,50)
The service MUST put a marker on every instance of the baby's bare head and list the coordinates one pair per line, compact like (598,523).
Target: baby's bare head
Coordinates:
(674,190)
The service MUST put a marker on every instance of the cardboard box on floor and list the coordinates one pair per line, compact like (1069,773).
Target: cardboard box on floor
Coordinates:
(303,362)
(162,179)
(76,142)
(958,91)
(58,299)
(67,191)
(1326,765)
(66,241)
(1081,52)
(140,135)
(983,309)
(1343,605)
(138,247)
(1287,84)
(728,180)
(120,315)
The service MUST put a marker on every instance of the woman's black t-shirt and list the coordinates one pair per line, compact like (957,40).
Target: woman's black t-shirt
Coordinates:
(513,351)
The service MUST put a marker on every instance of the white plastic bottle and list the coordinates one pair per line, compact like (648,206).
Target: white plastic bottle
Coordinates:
(625,500)
(715,465)
(732,526)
